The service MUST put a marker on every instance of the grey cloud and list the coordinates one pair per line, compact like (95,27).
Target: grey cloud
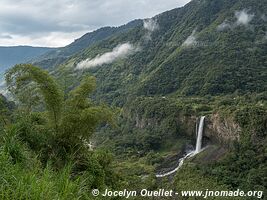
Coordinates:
(264,17)
(40,17)
(4,36)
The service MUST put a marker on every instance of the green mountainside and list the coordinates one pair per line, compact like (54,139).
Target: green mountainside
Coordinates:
(120,105)
(219,62)
(206,58)
(59,55)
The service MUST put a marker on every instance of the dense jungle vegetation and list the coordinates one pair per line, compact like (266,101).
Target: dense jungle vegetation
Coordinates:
(45,137)
(67,131)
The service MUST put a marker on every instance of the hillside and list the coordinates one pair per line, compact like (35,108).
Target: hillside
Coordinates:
(200,49)
(10,56)
(121,106)
(58,56)
(206,58)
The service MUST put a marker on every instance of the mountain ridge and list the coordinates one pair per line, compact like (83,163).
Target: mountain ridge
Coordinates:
(59,55)
(11,55)
(208,58)
(212,64)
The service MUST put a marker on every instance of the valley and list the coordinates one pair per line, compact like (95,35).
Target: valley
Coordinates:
(175,102)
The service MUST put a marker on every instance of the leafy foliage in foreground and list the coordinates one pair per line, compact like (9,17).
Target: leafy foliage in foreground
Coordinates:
(57,162)
(229,63)
(74,118)
(20,76)
(44,152)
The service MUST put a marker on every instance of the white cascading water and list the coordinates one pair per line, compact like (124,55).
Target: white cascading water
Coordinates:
(181,162)
(190,154)
(200,134)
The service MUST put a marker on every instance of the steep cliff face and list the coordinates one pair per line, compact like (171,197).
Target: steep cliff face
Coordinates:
(173,119)
(217,129)
(222,130)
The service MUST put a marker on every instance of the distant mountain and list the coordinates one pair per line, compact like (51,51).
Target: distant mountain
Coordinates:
(208,47)
(58,56)
(208,58)
(10,56)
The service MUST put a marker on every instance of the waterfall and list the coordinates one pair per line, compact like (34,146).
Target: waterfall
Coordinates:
(199,131)
(200,134)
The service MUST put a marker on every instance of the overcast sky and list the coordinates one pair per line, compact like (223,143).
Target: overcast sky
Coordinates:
(57,23)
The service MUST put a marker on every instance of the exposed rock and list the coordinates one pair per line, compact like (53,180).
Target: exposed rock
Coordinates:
(217,129)
(222,130)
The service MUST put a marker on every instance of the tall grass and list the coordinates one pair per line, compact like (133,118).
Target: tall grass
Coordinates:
(22,175)
(18,182)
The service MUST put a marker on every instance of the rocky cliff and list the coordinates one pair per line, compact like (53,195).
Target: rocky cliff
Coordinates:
(217,129)
(222,130)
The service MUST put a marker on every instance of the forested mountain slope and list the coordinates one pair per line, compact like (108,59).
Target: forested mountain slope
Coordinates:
(207,47)
(59,55)
(208,58)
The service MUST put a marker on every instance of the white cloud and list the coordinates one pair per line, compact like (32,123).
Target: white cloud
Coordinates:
(243,18)
(150,24)
(52,39)
(191,40)
(223,26)
(120,51)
